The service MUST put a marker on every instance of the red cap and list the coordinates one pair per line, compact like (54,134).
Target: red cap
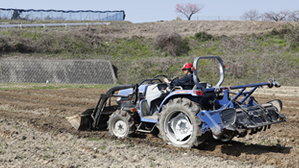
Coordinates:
(187,66)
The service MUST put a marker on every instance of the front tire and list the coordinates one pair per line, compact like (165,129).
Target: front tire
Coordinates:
(120,124)
(179,124)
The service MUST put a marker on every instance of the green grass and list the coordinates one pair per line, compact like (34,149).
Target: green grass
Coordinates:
(273,40)
(132,49)
(280,41)
(86,44)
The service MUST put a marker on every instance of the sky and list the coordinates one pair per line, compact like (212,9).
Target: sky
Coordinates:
(138,11)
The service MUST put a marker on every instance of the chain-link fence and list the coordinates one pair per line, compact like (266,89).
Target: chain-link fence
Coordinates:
(56,71)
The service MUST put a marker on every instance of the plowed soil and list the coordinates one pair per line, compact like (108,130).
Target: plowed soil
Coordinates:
(35,133)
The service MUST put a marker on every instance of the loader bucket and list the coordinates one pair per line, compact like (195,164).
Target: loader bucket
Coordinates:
(96,118)
(81,121)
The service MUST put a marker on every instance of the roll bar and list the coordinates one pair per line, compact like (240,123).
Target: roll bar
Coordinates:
(221,69)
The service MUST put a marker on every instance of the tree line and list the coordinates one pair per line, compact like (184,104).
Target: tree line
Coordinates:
(189,9)
(284,15)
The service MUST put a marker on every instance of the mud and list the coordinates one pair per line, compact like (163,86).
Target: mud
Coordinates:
(35,133)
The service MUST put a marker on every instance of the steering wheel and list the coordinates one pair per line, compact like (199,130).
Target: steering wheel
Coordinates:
(169,85)
(159,76)
(165,76)
(155,79)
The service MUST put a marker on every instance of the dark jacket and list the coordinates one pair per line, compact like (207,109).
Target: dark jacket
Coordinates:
(186,82)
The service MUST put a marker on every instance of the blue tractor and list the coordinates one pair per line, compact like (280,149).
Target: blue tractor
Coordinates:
(183,118)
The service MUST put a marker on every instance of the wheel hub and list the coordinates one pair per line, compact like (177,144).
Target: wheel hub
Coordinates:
(180,127)
(120,128)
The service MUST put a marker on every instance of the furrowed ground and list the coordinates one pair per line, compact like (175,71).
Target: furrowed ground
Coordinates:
(35,133)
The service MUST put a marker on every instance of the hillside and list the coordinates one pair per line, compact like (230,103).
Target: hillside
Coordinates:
(253,50)
(189,28)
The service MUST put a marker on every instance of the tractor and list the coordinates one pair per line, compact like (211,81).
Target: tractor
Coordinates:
(183,118)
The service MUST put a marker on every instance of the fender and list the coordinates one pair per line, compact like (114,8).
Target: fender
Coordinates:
(126,92)
(190,94)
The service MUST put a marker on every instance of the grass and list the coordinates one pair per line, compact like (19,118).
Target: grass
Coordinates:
(132,49)
(250,59)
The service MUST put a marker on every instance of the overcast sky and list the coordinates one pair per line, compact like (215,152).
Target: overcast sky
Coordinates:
(154,10)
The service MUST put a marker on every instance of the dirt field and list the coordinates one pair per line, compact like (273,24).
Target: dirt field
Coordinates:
(35,133)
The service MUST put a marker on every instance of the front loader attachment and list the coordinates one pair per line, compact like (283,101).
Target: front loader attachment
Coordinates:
(96,118)
(81,121)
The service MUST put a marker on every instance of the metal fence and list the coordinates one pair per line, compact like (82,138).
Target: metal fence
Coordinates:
(199,17)
(224,18)
(31,14)
(56,71)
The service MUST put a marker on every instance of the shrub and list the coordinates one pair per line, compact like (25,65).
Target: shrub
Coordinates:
(203,36)
(171,42)
(281,31)
(292,35)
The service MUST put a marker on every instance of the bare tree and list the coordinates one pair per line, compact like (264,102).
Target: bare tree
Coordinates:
(188,9)
(294,16)
(251,15)
(276,16)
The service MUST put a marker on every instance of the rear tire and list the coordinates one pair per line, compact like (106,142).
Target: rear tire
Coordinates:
(179,124)
(121,124)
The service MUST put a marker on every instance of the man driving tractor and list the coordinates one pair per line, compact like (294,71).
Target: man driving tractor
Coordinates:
(187,81)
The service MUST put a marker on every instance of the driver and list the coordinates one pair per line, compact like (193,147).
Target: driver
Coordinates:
(187,81)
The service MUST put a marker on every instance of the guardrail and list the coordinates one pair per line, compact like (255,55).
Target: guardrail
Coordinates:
(52,25)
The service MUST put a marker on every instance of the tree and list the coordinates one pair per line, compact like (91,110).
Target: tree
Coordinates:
(294,16)
(276,16)
(188,9)
(251,15)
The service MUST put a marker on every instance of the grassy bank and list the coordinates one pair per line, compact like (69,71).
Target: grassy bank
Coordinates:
(249,58)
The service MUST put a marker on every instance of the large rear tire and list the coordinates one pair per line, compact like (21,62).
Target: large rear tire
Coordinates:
(179,124)
(121,124)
